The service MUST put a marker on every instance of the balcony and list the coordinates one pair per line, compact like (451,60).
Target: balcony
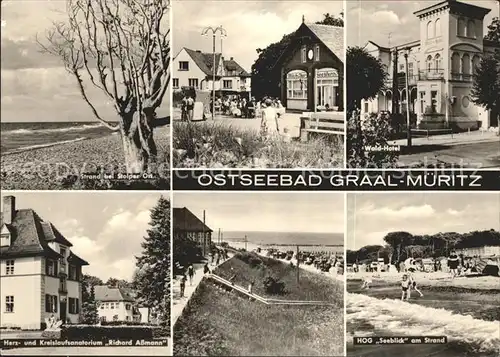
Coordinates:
(455,76)
(431,74)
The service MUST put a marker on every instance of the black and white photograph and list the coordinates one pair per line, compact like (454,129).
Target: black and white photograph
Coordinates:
(424,265)
(258,84)
(85,274)
(258,274)
(423,84)
(85,94)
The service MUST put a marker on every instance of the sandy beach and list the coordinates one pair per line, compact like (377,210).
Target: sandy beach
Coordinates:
(52,167)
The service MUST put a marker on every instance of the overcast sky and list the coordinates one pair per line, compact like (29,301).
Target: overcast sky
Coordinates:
(35,86)
(105,228)
(311,212)
(371,216)
(249,24)
(374,20)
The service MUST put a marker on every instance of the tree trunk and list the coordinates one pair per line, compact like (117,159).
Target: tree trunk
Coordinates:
(138,144)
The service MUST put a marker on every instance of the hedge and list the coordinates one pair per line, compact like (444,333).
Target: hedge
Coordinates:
(90,332)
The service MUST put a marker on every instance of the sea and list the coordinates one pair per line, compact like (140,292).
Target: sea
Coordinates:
(284,240)
(17,137)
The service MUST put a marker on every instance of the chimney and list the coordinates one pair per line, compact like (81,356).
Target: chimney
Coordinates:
(198,51)
(9,209)
(232,58)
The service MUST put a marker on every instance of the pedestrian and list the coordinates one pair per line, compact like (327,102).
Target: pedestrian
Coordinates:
(190,273)
(405,288)
(453,261)
(217,259)
(190,108)
(183,285)
(250,286)
(206,269)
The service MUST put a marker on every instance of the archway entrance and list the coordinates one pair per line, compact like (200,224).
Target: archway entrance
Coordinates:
(296,84)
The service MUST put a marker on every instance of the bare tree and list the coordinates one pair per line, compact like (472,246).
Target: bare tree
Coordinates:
(123,48)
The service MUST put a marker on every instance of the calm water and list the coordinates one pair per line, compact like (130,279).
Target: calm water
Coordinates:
(267,239)
(20,136)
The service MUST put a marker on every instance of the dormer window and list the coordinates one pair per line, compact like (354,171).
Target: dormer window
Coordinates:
(5,240)
(51,267)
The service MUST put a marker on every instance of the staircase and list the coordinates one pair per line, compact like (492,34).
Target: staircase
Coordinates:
(221,281)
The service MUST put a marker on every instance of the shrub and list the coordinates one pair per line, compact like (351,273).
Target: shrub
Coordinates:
(52,335)
(374,130)
(250,258)
(124,323)
(273,286)
(93,332)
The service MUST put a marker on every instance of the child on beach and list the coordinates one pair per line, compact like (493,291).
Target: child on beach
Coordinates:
(405,287)
(413,284)
(367,282)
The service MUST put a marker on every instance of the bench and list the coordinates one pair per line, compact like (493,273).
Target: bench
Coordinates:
(322,123)
(426,132)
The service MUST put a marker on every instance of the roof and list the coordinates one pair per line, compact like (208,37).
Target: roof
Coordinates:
(28,236)
(76,260)
(185,220)
(331,36)
(105,293)
(455,7)
(205,62)
(53,235)
(232,65)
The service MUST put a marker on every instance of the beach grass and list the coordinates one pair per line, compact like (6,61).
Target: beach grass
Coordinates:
(220,323)
(59,167)
(208,145)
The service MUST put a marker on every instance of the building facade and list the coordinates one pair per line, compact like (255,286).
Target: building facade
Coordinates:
(193,68)
(188,226)
(439,65)
(115,304)
(312,69)
(40,276)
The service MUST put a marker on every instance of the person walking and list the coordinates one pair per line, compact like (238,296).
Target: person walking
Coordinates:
(269,123)
(206,269)
(453,262)
(190,274)
(183,285)
(190,108)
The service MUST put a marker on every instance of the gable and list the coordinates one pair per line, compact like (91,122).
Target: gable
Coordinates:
(5,230)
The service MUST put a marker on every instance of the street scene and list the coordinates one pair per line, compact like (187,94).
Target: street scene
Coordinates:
(258,93)
(80,270)
(275,289)
(423,84)
(423,264)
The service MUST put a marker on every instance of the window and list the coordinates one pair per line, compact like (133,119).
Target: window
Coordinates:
(127,318)
(437,60)
(466,64)
(112,305)
(74,306)
(429,63)
(410,70)
(50,303)
(103,318)
(193,82)
(366,107)
(9,303)
(227,84)
(72,272)
(175,82)
(422,101)
(455,63)
(401,67)
(115,317)
(303,53)
(461,27)
(102,306)
(476,60)
(438,27)
(434,100)
(127,306)
(430,29)
(5,240)
(183,66)
(9,267)
(51,267)
(62,251)
(62,284)
(316,50)
(471,29)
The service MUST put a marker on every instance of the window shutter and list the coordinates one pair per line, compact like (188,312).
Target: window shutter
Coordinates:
(47,303)
(77,310)
(54,297)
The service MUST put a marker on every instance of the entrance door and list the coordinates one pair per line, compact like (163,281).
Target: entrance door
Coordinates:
(325,82)
(63,315)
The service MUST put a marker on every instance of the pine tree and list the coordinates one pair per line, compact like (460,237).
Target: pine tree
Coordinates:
(89,314)
(152,281)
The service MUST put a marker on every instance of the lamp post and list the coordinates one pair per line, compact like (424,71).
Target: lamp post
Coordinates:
(214,31)
(408,124)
